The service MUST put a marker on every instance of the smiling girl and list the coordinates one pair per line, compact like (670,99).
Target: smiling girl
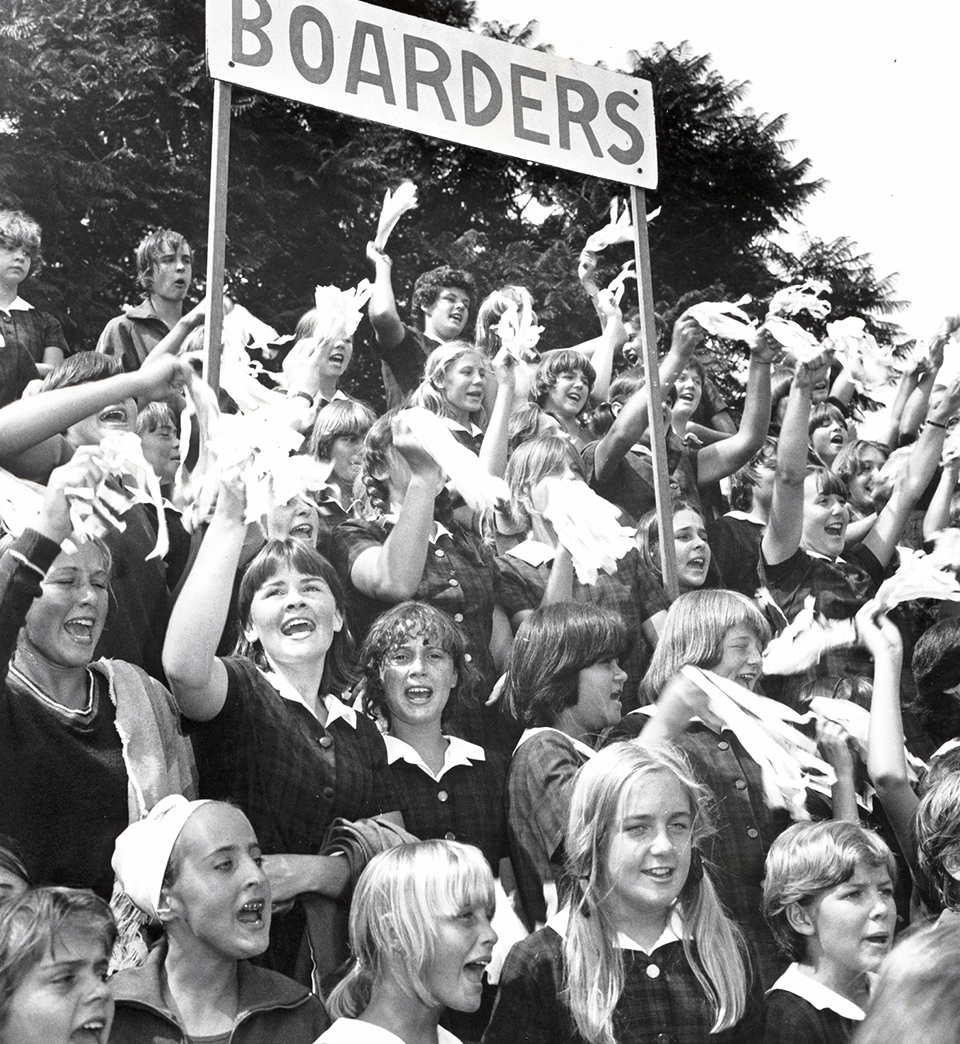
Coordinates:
(54,949)
(270,729)
(802,551)
(643,951)
(689,541)
(86,745)
(421,940)
(563,685)
(196,868)
(723,632)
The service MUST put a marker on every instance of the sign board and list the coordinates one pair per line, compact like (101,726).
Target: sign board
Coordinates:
(407,72)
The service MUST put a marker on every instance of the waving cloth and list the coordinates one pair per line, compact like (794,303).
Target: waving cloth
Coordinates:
(729,321)
(481,490)
(395,205)
(588,526)
(805,639)
(801,297)
(766,729)
(94,511)
(918,576)
(868,365)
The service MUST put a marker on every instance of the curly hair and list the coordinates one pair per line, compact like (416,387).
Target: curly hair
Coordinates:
(394,627)
(427,288)
(19,229)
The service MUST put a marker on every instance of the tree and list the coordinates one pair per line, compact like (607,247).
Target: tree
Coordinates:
(104,133)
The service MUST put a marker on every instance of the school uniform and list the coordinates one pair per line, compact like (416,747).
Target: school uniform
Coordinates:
(800,1010)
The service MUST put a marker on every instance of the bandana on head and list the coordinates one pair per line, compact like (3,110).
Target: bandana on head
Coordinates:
(143,850)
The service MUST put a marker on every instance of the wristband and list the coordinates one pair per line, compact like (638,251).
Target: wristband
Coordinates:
(301,394)
(937,424)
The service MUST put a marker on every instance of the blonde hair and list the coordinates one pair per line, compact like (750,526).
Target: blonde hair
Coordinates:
(593,960)
(401,896)
(693,633)
(441,360)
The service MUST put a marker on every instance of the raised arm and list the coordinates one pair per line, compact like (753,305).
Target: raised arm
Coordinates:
(198,679)
(722,458)
(886,761)
(392,571)
(937,515)
(27,424)
(181,330)
(632,420)
(493,450)
(919,402)
(382,310)
(785,525)
(914,478)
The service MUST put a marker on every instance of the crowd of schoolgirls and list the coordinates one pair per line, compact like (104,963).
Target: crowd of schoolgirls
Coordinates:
(323,740)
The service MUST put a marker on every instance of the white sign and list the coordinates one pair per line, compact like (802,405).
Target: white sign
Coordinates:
(366,61)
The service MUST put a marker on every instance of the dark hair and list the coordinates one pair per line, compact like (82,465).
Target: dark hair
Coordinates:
(936,668)
(829,482)
(81,368)
(412,620)
(553,645)
(149,251)
(745,480)
(339,671)
(823,415)
(626,385)
(378,440)
(429,284)
(566,361)
(31,925)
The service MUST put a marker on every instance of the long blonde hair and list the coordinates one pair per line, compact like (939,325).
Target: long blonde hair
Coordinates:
(593,960)
(442,359)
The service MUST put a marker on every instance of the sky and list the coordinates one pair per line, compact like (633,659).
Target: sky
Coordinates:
(871,93)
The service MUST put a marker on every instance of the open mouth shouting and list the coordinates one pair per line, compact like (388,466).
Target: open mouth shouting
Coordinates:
(297,627)
(81,629)
(251,913)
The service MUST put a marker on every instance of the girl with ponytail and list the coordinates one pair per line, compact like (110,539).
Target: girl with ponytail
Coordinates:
(643,950)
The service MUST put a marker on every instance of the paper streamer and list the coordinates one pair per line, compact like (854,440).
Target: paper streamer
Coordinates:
(918,576)
(395,205)
(805,640)
(867,364)
(481,490)
(619,229)
(767,730)
(588,526)
(803,346)
(801,297)
(723,319)
(93,512)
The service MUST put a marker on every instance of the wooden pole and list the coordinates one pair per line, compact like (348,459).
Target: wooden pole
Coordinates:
(651,365)
(217,231)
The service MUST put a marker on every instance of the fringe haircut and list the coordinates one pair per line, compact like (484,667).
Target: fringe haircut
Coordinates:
(401,896)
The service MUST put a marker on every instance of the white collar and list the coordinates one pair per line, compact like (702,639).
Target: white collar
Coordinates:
(579,745)
(672,932)
(18,305)
(745,516)
(533,552)
(458,752)
(439,529)
(453,425)
(335,708)
(794,981)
